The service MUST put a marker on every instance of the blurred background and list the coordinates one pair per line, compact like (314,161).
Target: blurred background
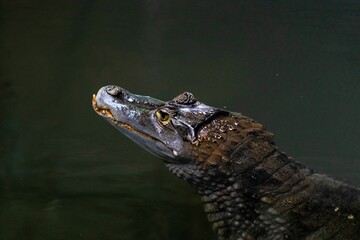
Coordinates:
(67,174)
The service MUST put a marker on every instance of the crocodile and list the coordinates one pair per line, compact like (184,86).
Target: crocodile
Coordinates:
(250,189)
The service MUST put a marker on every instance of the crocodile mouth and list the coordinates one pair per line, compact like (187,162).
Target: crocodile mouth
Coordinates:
(106,113)
(102,112)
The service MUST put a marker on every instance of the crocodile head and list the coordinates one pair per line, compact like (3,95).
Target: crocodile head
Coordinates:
(167,129)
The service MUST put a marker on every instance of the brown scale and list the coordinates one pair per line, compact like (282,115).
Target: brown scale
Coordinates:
(219,139)
(273,162)
(285,172)
(271,194)
(247,154)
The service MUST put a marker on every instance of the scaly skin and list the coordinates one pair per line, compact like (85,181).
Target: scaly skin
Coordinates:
(250,189)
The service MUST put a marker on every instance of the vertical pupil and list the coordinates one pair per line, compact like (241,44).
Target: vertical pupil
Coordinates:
(163,115)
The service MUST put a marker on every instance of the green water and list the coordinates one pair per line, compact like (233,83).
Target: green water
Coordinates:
(67,174)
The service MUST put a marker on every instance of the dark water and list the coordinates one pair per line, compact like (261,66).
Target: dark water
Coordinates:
(67,174)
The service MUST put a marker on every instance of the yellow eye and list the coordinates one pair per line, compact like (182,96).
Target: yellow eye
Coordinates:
(163,117)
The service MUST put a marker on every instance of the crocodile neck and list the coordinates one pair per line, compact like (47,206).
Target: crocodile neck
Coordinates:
(271,197)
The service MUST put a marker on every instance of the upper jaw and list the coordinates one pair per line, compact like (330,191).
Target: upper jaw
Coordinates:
(120,105)
(101,111)
(121,111)
(129,114)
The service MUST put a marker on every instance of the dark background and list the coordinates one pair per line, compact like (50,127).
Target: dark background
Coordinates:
(67,174)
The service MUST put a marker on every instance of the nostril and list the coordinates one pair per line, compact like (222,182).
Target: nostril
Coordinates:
(113,91)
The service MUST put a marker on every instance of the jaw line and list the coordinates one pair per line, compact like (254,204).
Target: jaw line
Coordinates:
(106,113)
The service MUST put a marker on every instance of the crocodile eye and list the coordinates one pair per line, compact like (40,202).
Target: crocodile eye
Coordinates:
(163,117)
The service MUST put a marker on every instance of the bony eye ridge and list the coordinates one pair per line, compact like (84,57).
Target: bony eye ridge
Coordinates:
(163,117)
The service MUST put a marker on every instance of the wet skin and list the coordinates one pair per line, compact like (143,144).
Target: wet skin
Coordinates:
(250,189)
